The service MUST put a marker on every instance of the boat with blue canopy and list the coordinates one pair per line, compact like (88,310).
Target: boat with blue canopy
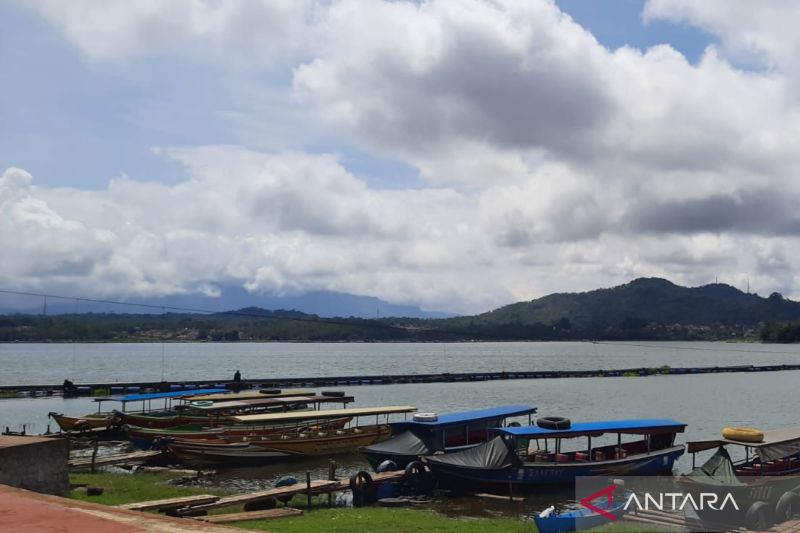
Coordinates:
(430,433)
(102,419)
(536,455)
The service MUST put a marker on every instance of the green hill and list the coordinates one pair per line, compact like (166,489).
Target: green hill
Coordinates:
(644,305)
(646,308)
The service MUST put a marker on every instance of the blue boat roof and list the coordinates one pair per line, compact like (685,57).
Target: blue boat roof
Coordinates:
(159,395)
(638,425)
(466,417)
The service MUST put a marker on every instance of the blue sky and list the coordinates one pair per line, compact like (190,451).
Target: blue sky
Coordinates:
(456,155)
(73,121)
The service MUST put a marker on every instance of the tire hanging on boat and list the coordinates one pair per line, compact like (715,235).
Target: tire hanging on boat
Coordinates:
(553,422)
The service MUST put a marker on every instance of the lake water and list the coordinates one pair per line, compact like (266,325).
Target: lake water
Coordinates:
(87,363)
(705,402)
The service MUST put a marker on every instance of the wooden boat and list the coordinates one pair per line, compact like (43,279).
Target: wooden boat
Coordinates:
(764,482)
(220,413)
(291,444)
(522,456)
(581,518)
(429,433)
(143,438)
(104,419)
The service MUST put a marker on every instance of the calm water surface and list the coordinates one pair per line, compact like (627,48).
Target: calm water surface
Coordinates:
(87,363)
(705,402)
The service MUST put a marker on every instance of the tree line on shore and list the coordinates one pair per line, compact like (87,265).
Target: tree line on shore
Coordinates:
(644,309)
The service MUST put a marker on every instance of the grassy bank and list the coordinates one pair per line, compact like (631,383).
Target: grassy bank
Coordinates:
(124,488)
(130,488)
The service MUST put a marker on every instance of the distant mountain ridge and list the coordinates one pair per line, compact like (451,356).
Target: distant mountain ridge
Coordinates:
(644,309)
(640,302)
(320,303)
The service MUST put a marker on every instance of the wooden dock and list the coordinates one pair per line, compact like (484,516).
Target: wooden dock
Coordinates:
(87,463)
(266,514)
(191,506)
(169,504)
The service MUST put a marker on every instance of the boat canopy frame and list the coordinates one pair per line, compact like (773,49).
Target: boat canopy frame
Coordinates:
(777,444)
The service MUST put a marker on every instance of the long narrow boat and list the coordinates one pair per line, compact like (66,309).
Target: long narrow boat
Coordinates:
(144,438)
(764,480)
(220,413)
(306,440)
(429,433)
(531,455)
(103,419)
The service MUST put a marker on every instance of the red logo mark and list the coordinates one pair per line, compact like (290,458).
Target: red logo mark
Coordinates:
(607,492)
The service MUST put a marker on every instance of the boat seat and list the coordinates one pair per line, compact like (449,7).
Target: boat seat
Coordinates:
(285,437)
(620,454)
(339,432)
(357,430)
(321,434)
(581,456)
(303,435)
(562,458)
(599,456)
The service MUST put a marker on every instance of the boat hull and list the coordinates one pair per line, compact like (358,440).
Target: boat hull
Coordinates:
(276,448)
(142,438)
(537,474)
(79,423)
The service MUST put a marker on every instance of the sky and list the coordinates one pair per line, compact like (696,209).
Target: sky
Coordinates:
(458,155)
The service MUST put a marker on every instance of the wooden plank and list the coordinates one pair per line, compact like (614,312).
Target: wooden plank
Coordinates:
(170,503)
(106,460)
(317,487)
(490,496)
(266,514)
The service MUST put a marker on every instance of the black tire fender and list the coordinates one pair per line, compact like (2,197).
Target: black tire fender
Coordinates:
(788,506)
(759,516)
(360,483)
(553,422)
(415,474)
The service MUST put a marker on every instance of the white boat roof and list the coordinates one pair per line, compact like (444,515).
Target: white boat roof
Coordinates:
(325,413)
(257,402)
(251,394)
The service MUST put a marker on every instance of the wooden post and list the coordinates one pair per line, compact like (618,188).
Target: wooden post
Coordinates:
(308,489)
(331,477)
(94,453)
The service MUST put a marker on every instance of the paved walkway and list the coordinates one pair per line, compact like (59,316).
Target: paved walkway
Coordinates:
(22,511)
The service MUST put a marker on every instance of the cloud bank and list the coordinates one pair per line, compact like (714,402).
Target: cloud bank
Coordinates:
(547,161)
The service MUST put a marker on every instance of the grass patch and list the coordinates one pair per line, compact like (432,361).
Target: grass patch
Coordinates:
(130,488)
(383,520)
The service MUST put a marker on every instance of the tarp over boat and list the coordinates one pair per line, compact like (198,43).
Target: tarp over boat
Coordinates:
(492,455)
(406,443)
(777,444)
(718,470)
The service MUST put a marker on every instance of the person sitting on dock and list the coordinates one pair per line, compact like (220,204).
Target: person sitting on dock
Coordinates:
(237,376)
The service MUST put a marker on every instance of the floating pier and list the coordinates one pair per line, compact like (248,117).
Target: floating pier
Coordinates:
(103,389)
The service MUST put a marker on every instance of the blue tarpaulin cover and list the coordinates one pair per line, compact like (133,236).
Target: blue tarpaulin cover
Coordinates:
(466,417)
(639,425)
